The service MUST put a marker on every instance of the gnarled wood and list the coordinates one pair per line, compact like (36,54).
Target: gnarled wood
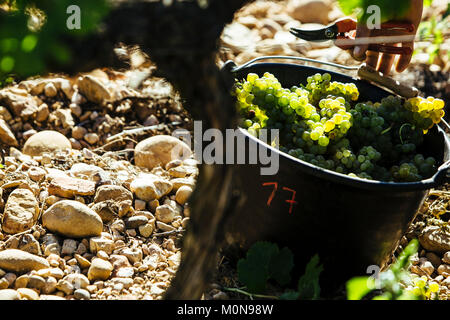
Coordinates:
(182,39)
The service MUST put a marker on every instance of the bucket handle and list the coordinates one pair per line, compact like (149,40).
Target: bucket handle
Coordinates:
(443,174)
(236,68)
(364,72)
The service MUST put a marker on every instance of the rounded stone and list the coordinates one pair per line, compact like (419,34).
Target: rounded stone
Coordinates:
(9,294)
(165,213)
(160,150)
(77,280)
(100,269)
(46,141)
(112,192)
(50,90)
(434,239)
(91,138)
(36,174)
(21,261)
(27,294)
(146,230)
(93,89)
(36,282)
(78,132)
(82,294)
(21,211)
(183,194)
(72,219)
(148,187)
(446,257)
(135,221)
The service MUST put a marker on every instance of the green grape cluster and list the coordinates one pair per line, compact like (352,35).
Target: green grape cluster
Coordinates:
(414,168)
(422,288)
(425,112)
(323,123)
(367,124)
(320,86)
(263,103)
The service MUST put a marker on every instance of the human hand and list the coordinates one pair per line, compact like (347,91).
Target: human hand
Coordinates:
(383,61)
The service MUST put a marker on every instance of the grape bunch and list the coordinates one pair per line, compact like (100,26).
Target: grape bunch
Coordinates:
(422,288)
(414,168)
(320,86)
(323,123)
(425,112)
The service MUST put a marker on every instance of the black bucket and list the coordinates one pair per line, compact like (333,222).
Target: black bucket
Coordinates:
(351,223)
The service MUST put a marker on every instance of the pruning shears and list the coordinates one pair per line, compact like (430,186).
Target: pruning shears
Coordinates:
(343,33)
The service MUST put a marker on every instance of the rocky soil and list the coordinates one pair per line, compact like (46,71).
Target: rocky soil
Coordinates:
(93,201)
(79,220)
(432,228)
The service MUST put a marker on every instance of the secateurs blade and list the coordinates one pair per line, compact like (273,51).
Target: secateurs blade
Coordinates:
(343,32)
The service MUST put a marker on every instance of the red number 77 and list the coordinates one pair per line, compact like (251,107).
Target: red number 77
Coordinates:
(275,184)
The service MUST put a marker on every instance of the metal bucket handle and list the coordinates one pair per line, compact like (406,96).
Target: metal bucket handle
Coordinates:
(364,72)
(443,172)
(236,68)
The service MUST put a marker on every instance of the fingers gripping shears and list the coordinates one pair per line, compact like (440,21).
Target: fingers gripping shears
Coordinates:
(343,32)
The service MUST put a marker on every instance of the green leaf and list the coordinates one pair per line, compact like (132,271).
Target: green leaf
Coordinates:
(389,10)
(281,265)
(358,287)
(447,12)
(348,6)
(308,284)
(253,271)
(427,3)
(289,295)
(405,255)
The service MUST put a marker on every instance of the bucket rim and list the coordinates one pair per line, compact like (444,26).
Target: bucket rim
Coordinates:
(340,178)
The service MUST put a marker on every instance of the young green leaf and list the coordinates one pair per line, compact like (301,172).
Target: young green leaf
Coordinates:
(348,6)
(281,265)
(405,255)
(253,271)
(308,284)
(358,287)
(427,3)
(389,10)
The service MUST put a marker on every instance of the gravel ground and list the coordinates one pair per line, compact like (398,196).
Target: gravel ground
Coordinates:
(93,207)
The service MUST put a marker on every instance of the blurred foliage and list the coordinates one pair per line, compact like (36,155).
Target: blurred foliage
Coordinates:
(265,261)
(396,283)
(31,33)
(434,29)
(389,9)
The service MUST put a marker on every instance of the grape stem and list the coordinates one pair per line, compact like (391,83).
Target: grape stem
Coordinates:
(387,129)
(250,295)
(400,130)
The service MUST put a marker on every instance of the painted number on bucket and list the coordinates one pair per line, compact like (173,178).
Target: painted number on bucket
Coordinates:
(273,192)
(291,201)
